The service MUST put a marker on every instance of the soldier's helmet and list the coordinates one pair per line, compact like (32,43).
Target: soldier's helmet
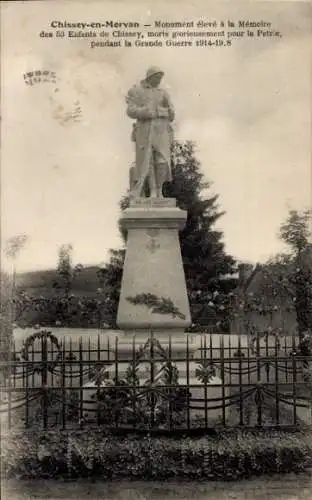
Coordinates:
(153,70)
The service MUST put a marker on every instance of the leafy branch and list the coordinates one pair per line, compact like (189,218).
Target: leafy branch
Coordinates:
(158,305)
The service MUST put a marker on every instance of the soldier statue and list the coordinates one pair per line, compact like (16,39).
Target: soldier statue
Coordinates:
(152,133)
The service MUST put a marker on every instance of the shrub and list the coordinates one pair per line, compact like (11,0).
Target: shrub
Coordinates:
(87,452)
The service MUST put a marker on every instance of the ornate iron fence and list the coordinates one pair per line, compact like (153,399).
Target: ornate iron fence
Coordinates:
(215,382)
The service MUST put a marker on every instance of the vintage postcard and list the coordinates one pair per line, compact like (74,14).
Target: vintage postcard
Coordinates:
(156,235)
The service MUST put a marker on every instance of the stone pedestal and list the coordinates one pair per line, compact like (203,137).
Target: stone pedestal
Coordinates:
(153,270)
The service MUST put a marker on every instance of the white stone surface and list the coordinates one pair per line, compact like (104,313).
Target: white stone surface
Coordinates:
(153,265)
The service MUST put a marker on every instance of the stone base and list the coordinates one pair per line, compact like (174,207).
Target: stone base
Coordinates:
(171,341)
(153,269)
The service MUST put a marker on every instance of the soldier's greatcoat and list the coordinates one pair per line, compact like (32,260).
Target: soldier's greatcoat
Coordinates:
(151,134)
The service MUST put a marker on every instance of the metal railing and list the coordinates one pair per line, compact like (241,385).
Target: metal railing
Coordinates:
(150,386)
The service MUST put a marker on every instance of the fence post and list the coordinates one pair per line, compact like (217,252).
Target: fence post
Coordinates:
(63,378)
(277,411)
(205,383)
(134,393)
(188,380)
(222,379)
(152,421)
(171,391)
(117,391)
(259,383)
(294,382)
(44,378)
(80,383)
(241,407)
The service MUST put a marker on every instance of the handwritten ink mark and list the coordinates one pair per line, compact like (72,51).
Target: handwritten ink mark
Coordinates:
(39,76)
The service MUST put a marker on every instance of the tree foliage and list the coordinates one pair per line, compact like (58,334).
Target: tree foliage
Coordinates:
(14,245)
(110,276)
(7,293)
(6,327)
(62,307)
(284,283)
(295,231)
(66,272)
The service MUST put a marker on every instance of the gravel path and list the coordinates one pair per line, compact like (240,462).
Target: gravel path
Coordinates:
(283,487)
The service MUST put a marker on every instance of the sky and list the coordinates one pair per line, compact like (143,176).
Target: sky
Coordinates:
(247,107)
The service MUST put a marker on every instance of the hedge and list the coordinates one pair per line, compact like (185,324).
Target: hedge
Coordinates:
(83,453)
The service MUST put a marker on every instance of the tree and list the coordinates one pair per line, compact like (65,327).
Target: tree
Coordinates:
(13,248)
(8,297)
(64,306)
(263,300)
(208,269)
(285,281)
(6,325)
(63,282)
(296,232)
(110,276)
